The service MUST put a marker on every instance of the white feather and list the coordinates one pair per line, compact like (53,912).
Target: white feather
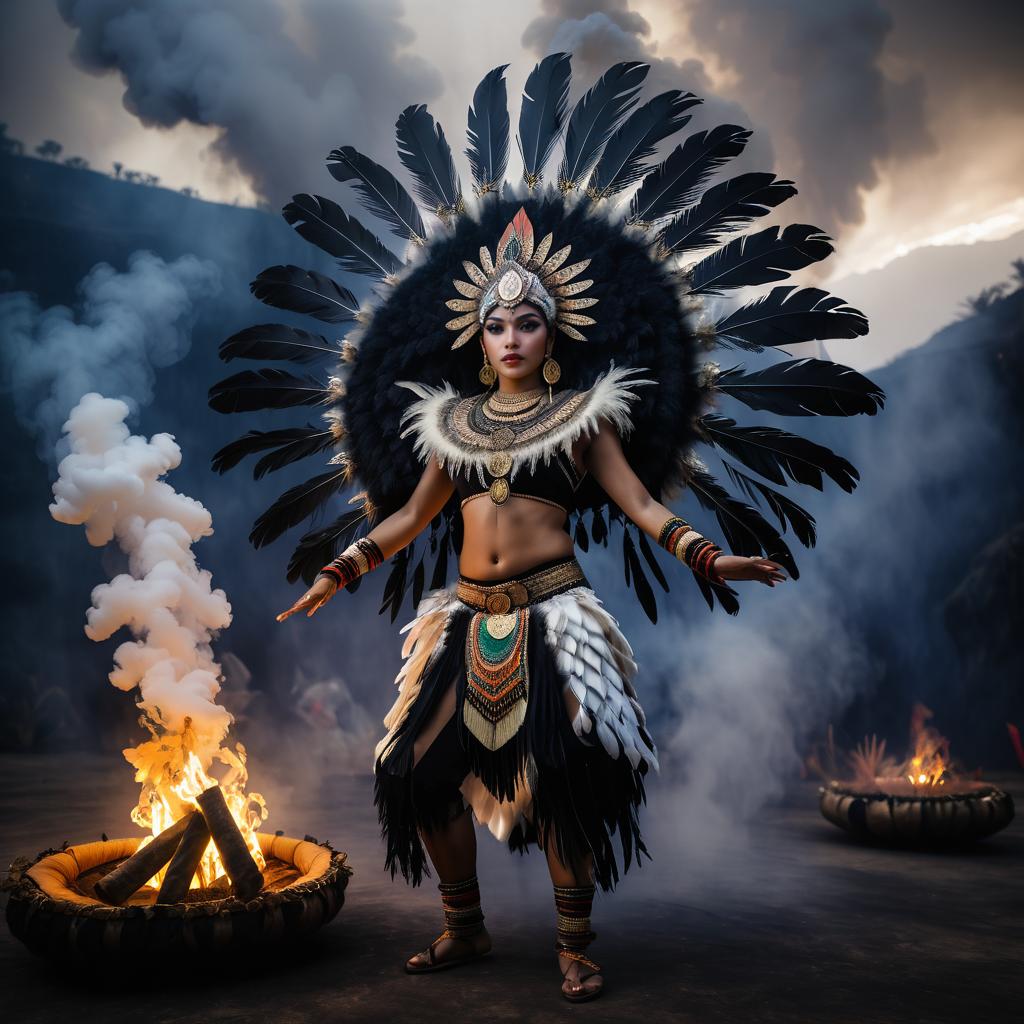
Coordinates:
(596,662)
(607,738)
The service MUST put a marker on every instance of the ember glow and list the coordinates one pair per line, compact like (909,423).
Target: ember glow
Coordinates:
(111,483)
(928,766)
(927,769)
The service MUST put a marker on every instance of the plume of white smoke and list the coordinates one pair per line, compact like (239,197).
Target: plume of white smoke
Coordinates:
(111,483)
(129,325)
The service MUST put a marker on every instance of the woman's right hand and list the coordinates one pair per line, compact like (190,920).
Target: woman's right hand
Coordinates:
(314,599)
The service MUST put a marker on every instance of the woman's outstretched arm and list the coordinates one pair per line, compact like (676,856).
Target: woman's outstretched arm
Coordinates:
(387,538)
(607,463)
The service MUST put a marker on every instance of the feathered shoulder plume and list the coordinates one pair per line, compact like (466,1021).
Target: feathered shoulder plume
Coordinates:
(658,226)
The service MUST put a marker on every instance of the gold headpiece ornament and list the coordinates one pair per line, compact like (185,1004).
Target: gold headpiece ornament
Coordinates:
(521,272)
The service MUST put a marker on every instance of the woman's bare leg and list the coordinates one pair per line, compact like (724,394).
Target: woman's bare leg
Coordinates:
(451,847)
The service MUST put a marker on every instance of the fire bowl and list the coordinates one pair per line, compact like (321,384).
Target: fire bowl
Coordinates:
(54,911)
(895,813)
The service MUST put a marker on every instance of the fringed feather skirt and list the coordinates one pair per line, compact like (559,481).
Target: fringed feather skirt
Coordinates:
(548,742)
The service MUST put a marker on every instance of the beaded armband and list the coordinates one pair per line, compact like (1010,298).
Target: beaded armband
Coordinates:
(699,553)
(357,559)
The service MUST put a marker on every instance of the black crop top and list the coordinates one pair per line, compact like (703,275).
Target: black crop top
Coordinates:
(555,481)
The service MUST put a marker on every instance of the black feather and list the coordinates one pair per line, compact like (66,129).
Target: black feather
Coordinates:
(777,454)
(725,594)
(641,585)
(266,389)
(293,451)
(596,115)
(305,291)
(276,341)
(487,134)
(645,550)
(545,99)
(382,193)
(722,208)
(676,182)
(803,387)
(599,528)
(788,315)
(294,443)
(622,161)
(786,511)
(324,223)
(296,504)
(320,546)
(426,155)
(440,574)
(745,530)
(395,587)
(419,578)
(580,534)
(760,258)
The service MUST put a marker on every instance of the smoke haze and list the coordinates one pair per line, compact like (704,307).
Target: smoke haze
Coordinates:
(129,324)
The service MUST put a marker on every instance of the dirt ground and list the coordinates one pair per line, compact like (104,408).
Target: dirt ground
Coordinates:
(822,929)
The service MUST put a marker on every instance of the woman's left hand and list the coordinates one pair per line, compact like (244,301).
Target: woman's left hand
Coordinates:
(740,567)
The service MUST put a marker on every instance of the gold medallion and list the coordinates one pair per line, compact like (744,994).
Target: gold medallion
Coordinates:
(498,603)
(499,491)
(499,463)
(502,437)
(499,626)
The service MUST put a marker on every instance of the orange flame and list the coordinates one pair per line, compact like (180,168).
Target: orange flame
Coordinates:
(929,765)
(172,776)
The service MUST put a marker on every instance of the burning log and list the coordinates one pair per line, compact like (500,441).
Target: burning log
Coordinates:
(138,869)
(185,861)
(238,861)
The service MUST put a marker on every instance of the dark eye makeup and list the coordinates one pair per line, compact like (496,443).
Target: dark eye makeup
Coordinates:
(498,326)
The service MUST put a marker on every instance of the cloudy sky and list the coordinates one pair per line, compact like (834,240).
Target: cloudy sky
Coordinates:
(901,121)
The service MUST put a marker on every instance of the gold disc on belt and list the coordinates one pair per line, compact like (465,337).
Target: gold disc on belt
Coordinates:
(499,626)
(499,491)
(499,463)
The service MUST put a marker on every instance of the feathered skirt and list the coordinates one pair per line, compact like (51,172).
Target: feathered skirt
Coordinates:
(548,742)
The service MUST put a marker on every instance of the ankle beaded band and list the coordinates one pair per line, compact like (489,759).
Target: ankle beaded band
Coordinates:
(461,904)
(572,906)
(696,551)
(357,559)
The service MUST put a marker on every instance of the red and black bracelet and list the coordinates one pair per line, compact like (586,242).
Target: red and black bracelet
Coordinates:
(356,560)
(699,553)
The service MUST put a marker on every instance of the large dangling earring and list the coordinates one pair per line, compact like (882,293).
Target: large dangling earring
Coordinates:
(552,373)
(488,374)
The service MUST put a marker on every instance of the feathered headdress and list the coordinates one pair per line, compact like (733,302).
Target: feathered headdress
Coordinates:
(521,272)
(656,236)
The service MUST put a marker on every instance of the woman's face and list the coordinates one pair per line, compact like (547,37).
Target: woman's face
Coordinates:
(515,340)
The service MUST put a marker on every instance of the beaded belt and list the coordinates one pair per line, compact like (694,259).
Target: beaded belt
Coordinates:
(498,598)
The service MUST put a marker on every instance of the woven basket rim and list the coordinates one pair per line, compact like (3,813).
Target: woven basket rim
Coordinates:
(22,887)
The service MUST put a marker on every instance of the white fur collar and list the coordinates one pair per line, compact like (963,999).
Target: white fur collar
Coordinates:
(609,396)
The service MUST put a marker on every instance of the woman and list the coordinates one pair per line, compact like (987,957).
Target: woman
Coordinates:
(516,697)
(502,542)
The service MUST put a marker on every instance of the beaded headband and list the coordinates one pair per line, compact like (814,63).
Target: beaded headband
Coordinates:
(521,272)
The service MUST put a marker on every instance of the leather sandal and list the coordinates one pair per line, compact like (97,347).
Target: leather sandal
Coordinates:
(435,964)
(584,994)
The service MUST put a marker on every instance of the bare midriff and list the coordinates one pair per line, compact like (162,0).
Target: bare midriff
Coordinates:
(502,540)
